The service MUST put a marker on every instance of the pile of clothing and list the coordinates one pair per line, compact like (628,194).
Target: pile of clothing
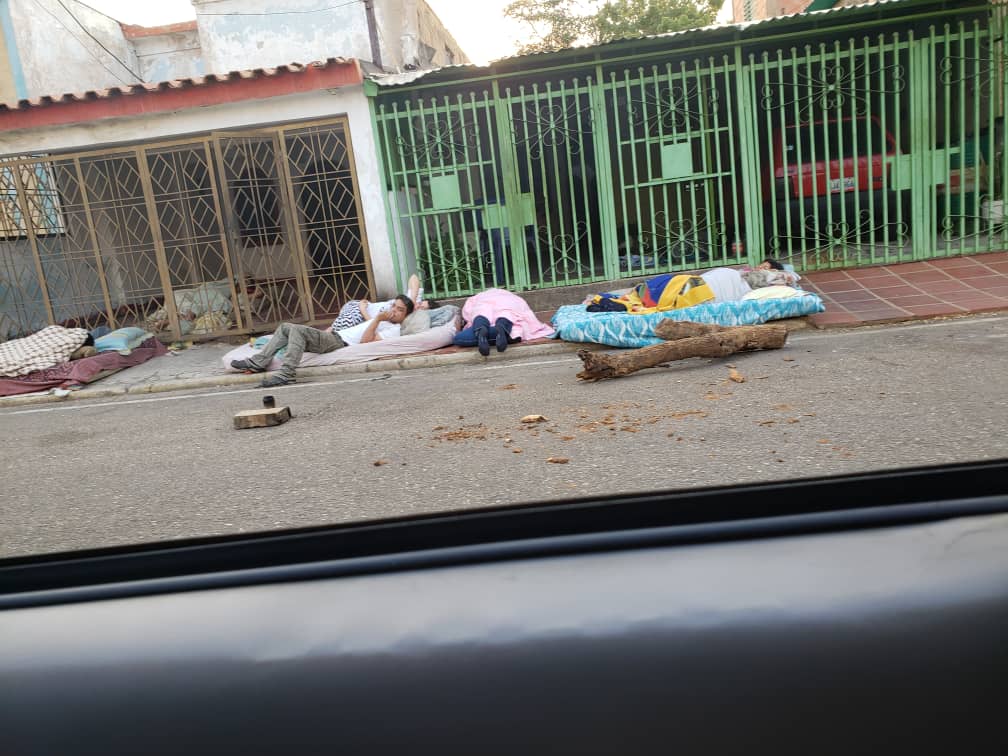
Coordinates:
(67,358)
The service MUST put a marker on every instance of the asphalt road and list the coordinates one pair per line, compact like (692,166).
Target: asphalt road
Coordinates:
(87,474)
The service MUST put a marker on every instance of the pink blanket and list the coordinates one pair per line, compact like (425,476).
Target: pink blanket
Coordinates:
(76,372)
(497,303)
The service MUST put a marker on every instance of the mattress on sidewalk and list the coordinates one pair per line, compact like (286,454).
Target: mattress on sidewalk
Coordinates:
(429,340)
(85,370)
(574,323)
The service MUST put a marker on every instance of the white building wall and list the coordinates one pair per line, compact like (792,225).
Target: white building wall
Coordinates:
(164,57)
(349,101)
(56,54)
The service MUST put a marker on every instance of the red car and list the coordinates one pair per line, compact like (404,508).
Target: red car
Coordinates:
(840,167)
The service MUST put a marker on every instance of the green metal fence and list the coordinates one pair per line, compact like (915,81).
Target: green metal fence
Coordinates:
(869,144)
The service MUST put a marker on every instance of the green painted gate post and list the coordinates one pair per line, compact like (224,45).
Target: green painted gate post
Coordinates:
(605,181)
(922,232)
(752,189)
(512,191)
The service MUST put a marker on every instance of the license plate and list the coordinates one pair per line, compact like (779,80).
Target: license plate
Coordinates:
(841,185)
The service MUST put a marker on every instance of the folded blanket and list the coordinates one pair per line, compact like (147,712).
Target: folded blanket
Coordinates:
(84,370)
(435,338)
(50,346)
(573,323)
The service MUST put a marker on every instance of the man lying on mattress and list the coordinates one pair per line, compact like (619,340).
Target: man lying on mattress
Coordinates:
(298,339)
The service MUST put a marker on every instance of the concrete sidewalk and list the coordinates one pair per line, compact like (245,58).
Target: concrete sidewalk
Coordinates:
(200,367)
(866,296)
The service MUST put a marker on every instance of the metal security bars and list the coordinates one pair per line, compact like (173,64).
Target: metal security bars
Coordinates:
(230,232)
(878,143)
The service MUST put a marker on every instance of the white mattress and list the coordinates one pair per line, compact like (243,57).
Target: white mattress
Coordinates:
(435,338)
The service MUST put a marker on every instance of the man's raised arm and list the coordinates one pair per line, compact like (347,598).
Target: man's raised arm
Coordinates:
(371,332)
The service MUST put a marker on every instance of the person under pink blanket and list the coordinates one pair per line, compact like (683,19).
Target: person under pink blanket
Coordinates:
(500,316)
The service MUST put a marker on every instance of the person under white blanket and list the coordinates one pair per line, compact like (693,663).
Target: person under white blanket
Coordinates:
(298,339)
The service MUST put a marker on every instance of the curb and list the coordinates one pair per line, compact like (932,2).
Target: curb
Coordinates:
(412,362)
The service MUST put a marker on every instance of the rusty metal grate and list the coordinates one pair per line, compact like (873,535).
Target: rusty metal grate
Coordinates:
(226,233)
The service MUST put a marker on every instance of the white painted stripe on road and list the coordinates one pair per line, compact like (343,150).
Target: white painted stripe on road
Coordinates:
(222,392)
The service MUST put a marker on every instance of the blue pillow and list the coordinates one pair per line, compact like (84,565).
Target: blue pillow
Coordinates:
(122,340)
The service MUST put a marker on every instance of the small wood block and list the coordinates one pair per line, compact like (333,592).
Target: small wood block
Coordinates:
(262,418)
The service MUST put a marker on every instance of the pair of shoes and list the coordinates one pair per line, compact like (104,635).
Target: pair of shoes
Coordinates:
(246,366)
(278,379)
(483,341)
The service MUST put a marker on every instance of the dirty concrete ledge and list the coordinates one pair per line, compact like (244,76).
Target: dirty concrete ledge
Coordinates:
(219,380)
(410,362)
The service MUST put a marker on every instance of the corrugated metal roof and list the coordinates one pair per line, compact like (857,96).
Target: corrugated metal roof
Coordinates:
(746,28)
(174,84)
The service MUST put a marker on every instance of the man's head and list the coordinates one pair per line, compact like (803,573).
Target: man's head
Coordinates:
(771,264)
(401,307)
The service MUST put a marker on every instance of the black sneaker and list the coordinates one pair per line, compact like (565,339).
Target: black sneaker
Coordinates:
(279,379)
(247,366)
(483,341)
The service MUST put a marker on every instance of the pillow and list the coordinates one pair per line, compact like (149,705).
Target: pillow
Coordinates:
(416,322)
(122,340)
(773,292)
(444,315)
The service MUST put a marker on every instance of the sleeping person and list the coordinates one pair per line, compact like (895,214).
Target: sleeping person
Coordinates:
(298,339)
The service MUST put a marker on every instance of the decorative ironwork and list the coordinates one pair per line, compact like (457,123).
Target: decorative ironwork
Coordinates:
(564,249)
(441,140)
(674,242)
(136,236)
(845,232)
(448,260)
(675,107)
(954,227)
(550,125)
(832,86)
(972,71)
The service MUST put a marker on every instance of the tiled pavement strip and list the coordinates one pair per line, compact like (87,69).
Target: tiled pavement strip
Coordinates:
(911,291)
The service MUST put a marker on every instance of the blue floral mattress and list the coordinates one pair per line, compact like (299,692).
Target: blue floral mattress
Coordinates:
(574,323)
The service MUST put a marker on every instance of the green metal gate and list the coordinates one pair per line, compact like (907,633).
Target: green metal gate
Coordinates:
(677,175)
(866,144)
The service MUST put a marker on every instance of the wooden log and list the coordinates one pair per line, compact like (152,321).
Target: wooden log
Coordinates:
(671,330)
(262,418)
(599,366)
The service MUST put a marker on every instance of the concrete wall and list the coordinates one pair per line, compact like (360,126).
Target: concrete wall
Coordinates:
(175,55)
(349,101)
(235,35)
(433,34)
(235,42)
(57,56)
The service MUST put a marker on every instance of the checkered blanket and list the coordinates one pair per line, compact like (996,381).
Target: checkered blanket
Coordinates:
(50,346)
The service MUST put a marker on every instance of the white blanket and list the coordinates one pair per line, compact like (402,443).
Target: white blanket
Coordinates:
(435,338)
